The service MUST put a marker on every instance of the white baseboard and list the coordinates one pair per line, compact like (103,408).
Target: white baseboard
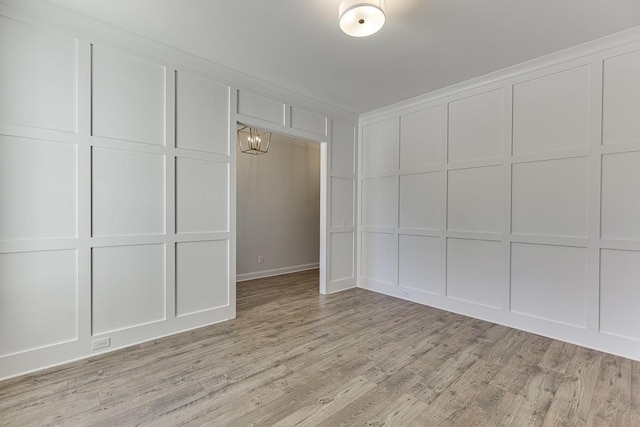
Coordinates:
(275,272)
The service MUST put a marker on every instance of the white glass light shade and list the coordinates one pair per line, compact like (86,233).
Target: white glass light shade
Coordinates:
(361,18)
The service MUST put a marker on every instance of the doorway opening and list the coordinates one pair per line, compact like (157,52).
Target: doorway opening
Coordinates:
(280,209)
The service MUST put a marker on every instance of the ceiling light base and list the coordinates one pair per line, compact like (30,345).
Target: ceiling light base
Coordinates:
(360,18)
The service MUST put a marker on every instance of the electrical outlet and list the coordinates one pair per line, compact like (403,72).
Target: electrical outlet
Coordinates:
(406,294)
(101,343)
(260,259)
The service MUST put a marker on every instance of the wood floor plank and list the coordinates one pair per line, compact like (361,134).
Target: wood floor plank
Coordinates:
(570,405)
(326,406)
(294,356)
(450,403)
(558,356)
(635,395)
(611,401)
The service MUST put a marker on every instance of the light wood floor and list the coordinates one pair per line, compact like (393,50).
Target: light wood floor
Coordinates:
(356,358)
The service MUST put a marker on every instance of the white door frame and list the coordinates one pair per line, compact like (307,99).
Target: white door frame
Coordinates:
(324,187)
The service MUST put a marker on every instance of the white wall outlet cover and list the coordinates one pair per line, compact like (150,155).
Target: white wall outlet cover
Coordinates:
(101,343)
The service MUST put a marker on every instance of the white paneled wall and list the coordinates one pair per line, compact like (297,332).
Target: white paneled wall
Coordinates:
(342,222)
(515,199)
(117,186)
(93,190)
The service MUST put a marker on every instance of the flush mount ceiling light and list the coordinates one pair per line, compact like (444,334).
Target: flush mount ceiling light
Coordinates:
(253,141)
(361,18)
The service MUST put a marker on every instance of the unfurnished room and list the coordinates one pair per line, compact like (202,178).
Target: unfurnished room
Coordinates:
(320,213)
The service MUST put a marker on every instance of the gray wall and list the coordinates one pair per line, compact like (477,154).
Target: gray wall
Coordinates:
(278,209)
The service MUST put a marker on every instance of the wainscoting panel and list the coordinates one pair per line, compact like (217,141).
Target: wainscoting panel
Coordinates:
(343,219)
(419,263)
(420,201)
(621,104)
(421,138)
(538,271)
(128,191)
(474,272)
(342,206)
(534,222)
(202,112)
(550,197)
(476,127)
(202,274)
(128,97)
(620,196)
(261,108)
(343,158)
(52,190)
(376,209)
(49,318)
(308,121)
(202,196)
(46,97)
(342,249)
(380,154)
(476,199)
(377,250)
(620,293)
(128,287)
(551,113)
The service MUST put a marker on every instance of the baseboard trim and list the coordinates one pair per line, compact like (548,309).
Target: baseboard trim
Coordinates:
(275,272)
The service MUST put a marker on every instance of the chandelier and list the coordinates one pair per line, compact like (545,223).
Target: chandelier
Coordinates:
(253,141)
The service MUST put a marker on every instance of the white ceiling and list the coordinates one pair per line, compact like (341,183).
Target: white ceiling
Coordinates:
(425,44)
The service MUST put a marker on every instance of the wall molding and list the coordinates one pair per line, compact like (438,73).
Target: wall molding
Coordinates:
(564,56)
(275,272)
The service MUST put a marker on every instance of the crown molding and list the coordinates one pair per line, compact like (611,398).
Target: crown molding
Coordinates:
(560,57)
(57,18)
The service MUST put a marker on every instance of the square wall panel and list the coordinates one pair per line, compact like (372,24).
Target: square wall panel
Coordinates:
(380,146)
(549,282)
(128,97)
(475,199)
(621,99)
(341,264)
(308,121)
(420,201)
(380,202)
(475,271)
(38,187)
(476,127)
(621,196)
(127,287)
(342,200)
(549,198)
(202,276)
(379,257)
(620,293)
(202,115)
(38,82)
(421,138)
(260,108)
(128,193)
(552,112)
(38,300)
(343,143)
(202,196)
(419,263)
